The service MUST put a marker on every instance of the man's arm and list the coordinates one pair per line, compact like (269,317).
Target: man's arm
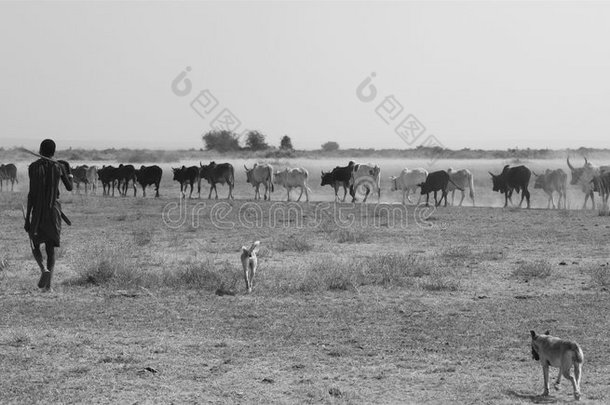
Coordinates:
(31,196)
(66,175)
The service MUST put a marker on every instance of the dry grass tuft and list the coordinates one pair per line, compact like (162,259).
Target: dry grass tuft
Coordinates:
(350,235)
(528,270)
(441,280)
(294,243)
(142,237)
(335,274)
(600,275)
(19,338)
(4,263)
(204,275)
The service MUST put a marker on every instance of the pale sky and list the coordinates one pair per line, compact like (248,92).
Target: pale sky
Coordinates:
(477,75)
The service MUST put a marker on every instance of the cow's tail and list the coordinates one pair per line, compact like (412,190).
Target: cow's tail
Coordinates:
(471,186)
(456,186)
(578,356)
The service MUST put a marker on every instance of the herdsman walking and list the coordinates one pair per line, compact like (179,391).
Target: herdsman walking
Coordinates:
(43,217)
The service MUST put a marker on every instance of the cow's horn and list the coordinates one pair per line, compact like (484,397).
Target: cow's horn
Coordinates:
(492,175)
(569,165)
(586,161)
(245,167)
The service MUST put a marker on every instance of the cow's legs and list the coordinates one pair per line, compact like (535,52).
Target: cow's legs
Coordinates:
(344,192)
(300,195)
(409,197)
(368,191)
(230,196)
(525,195)
(463,196)
(444,196)
(545,374)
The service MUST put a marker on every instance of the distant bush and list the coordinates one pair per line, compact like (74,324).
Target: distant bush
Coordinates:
(330,146)
(256,141)
(221,141)
(286,143)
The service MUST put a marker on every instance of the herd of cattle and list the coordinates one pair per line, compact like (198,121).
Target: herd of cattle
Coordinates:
(363,178)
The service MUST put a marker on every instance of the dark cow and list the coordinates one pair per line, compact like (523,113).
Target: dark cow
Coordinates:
(187,176)
(148,176)
(124,175)
(80,176)
(512,179)
(222,173)
(108,177)
(9,173)
(339,177)
(601,185)
(437,181)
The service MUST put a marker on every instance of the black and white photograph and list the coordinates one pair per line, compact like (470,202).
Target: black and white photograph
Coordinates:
(304,202)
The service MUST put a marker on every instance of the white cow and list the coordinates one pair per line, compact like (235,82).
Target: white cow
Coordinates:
(461,178)
(366,176)
(260,174)
(292,178)
(583,177)
(408,180)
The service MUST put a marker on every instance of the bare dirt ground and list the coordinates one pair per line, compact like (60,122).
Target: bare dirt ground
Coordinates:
(352,304)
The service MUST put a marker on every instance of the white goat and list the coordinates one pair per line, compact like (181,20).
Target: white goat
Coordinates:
(250,262)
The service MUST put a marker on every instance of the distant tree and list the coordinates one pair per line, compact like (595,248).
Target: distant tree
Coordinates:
(256,141)
(330,146)
(286,143)
(221,141)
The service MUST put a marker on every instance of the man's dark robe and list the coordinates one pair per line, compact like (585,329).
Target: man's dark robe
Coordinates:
(45,222)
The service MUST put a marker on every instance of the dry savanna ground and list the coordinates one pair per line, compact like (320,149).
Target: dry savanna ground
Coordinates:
(351,304)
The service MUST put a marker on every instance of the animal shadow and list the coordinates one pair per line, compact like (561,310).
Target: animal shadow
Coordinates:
(536,399)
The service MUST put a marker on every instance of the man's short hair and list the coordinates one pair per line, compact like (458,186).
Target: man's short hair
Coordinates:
(47,148)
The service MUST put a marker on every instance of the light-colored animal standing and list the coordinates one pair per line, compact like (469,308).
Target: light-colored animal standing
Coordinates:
(293,178)
(461,179)
(249,262)
(583,177)
(92,179)
(260,174)
(408,181)
(553,181)
(366,176)
(556,352)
